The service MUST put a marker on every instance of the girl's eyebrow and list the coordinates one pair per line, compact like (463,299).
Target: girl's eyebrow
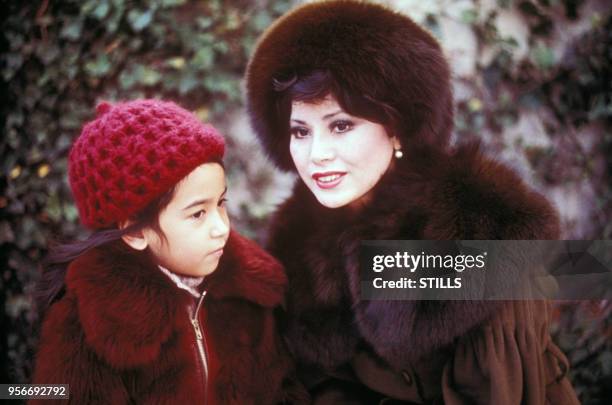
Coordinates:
(203,201)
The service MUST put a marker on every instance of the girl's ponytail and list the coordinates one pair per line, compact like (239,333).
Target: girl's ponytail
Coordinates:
(51,285)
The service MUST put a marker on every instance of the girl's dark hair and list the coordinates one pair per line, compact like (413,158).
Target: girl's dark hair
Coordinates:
(315,85)
(51,286)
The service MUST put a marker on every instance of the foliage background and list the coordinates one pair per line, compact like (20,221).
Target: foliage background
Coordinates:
(532,80)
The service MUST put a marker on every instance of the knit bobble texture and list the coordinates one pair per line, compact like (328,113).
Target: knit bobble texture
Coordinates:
(131,154)
(102,108)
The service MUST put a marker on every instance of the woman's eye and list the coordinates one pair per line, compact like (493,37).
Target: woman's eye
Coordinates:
(222,202)
(342,126)
(299,132)
(198,214)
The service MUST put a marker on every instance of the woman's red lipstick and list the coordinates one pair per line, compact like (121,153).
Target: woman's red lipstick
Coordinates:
(328,180)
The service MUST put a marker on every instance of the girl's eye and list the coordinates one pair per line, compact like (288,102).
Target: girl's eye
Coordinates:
(222,202)
(198,214)
(342,126)
(299,132)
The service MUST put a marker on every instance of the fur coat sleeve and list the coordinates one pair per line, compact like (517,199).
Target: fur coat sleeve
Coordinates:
(55,365)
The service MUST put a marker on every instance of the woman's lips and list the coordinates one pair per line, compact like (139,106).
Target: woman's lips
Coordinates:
(328,180)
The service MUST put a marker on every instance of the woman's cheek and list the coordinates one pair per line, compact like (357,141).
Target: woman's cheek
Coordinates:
(299,153)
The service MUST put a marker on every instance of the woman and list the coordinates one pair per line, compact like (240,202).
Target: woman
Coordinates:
(357,100)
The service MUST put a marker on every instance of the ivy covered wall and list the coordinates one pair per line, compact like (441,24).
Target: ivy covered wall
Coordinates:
(532,78)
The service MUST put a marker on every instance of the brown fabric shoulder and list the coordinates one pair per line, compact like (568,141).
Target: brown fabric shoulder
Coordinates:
(513,356)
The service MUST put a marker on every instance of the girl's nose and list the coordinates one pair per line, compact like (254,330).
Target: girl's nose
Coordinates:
(220,227)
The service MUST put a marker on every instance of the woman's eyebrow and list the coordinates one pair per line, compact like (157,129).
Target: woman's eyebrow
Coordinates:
(328,116)
(325,117)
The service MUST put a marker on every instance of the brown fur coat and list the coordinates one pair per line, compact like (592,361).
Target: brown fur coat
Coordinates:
(426,195)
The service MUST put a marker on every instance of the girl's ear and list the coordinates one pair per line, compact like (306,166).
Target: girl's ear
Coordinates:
(136,240)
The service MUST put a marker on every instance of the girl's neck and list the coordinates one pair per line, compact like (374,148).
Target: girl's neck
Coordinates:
(187,283)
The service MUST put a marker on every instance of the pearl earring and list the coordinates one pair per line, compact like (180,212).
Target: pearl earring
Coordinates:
(398,153)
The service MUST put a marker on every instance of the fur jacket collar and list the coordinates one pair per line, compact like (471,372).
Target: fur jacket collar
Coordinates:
(125,301)
(428,194)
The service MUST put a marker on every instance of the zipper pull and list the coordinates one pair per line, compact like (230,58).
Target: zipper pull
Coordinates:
(196,327)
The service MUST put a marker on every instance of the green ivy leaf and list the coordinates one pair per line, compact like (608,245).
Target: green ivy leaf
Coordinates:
(469,16)
(543,56)
(15,39)
(177,63)
(221,47)
(203,59)
(101,10)
(221,83)
(26,232)
(70,121)
(112,24)
(140,20)
(47,52)
(98,67)
(204,23)
(63,142)
(72,31)
(71,214)
(149,76)
(261,20)
(172,3)
(171,81)
(188,83)
(54,207)
(13,62)
(433,25)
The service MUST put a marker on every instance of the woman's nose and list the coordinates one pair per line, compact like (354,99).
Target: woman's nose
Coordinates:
(322,149)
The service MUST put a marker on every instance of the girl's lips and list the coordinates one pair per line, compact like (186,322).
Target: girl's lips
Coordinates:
(216,253)
(328,180)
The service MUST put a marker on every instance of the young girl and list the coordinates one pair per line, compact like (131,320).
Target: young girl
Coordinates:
(163,303)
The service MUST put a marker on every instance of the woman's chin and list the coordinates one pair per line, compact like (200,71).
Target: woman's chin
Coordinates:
(331,201)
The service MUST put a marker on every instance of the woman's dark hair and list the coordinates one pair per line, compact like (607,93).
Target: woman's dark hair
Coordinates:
(51,286)
(315,85)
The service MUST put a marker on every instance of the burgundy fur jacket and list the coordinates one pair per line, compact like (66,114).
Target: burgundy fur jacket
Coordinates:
(420,351)
(122,332)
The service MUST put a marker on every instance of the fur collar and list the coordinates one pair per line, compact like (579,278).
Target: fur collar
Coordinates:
(429,194)
(126,304)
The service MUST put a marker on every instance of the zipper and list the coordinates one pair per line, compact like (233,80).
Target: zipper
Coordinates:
(200,343)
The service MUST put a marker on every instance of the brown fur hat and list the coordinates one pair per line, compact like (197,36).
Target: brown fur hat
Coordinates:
(374,51)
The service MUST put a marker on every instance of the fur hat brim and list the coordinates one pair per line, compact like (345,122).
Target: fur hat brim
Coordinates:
(369,48)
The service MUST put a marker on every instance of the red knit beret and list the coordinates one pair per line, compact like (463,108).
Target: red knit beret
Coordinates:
(132,153)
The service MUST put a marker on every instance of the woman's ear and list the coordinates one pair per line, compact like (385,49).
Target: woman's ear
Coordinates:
(136,240)
(396,143)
